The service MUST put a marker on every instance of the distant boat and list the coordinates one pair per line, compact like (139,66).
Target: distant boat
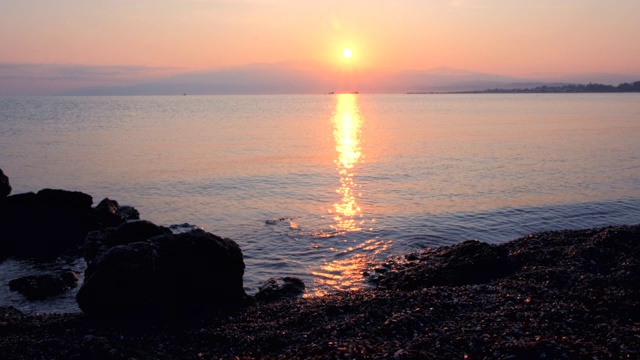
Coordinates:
(185,94)
(331,93)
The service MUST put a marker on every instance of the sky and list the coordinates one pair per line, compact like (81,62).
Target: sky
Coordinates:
(136,39)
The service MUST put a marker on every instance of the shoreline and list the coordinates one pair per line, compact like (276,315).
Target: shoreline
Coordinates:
(564,294)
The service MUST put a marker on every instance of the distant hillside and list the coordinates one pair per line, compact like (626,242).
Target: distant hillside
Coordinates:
(570,88)
(309,78)
(292,77)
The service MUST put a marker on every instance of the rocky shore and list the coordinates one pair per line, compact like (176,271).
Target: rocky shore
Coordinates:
(557,295)
(153,293)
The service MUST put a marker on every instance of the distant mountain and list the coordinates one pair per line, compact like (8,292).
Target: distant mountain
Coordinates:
(285,77)
(305,77)
(54,79)
(312,77)
(442,79)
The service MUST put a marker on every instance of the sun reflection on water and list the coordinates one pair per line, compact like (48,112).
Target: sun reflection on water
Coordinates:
(347,124)
(345,270)
(347,273)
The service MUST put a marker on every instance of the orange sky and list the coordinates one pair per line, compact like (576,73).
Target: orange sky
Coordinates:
(496,36)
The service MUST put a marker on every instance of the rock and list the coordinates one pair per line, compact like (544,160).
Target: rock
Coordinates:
(39,287)
(276,221)
(276,289)
(469,262)
(202,268)
(134,231)
(70,278)
(24,199)
(107,205)
(46,224)
(161,276)
(182,228)
(121,282)
(474,262)
(128,213)
(106,213)
(53,222)
(64,199)
(97,243)
(112,214)
(5,187)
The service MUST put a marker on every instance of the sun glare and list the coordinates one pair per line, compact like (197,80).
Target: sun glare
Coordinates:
(347,53)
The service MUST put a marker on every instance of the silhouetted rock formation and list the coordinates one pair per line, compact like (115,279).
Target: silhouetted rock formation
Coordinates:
(142,270)
(46,224)
(52,222)
(5,187)
(39,287)
(112,214)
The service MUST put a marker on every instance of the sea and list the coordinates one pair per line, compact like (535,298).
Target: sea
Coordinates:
(324,187)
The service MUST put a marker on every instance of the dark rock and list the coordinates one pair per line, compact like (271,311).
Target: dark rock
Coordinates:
(39,287)
(182,228)
(106,213)
(276,221)
(5,187)
(112,214)
(204,268)
(54,222)
(130,232)
(134,231)
(276,289)
(122,281)
(46,224)
(99,242)
(107,205)
(70,278)
(128,213)
(24,199)
(63,198)
(160,276)
(474,262)
(469,262)
(94,243)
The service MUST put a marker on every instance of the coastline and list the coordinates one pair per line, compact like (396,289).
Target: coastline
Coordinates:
(566,294)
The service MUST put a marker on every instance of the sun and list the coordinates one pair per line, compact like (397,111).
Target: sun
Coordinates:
(347,53)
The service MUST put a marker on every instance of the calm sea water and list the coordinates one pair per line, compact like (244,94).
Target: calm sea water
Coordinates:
(322,186)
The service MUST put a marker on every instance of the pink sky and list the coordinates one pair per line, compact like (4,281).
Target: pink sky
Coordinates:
(493,36)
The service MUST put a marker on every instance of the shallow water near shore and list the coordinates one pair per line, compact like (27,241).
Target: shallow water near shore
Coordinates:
(321,187)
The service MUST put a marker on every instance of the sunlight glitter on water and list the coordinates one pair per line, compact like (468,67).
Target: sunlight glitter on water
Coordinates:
(346,273)
(347,124)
